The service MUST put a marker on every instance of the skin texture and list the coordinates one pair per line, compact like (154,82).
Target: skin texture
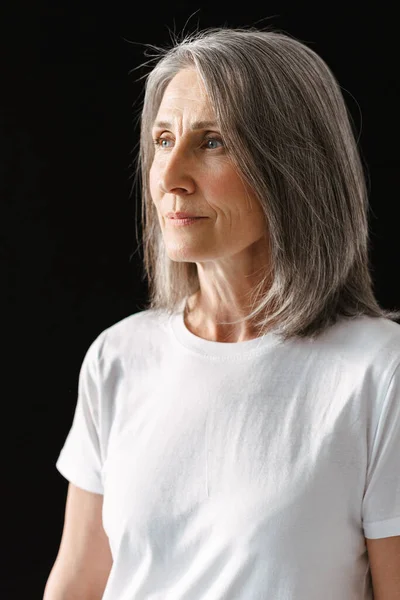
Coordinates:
(84,559)
(193,172)
(384,559)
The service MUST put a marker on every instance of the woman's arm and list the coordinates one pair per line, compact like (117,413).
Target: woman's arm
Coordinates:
(84,560)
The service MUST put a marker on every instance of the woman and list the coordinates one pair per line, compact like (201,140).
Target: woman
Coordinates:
(243,430)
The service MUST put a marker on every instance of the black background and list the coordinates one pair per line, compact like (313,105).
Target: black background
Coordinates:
(70,255)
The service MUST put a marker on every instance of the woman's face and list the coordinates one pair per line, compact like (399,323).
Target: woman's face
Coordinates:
(192,172)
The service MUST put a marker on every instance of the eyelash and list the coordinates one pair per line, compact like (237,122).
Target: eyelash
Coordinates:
(157,141)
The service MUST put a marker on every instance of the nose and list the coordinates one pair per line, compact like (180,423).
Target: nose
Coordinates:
(176,174)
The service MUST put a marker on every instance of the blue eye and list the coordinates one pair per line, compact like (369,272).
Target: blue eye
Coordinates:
(159,142)
(214,140)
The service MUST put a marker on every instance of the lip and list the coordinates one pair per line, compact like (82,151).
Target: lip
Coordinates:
(183,222)
(183,215)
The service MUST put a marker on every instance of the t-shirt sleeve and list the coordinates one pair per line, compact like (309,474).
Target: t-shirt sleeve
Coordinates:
(381,503)
(80,458)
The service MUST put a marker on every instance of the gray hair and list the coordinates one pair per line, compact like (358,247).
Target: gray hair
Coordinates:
(287,130)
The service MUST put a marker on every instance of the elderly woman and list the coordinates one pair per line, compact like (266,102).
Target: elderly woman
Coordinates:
(240,438)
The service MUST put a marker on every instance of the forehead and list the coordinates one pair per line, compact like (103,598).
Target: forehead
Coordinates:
(185,92)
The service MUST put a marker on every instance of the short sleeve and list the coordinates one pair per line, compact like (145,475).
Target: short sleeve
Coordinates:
(381,503)
(80,458)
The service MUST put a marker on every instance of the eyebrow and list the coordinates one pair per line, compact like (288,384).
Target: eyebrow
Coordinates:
(193,126)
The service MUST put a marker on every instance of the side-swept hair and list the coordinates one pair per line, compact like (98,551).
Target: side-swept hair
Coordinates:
(287,130)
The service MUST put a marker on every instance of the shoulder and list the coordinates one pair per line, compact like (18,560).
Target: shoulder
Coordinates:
(137,333)
(359,354)
(365,339)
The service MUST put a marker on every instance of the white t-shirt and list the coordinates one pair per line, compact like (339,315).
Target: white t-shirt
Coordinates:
(239,471)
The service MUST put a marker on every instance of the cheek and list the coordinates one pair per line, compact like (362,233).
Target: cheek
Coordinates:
(152,179)
(154,188)
(225,186)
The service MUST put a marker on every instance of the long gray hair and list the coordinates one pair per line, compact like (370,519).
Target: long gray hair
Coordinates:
(285,125)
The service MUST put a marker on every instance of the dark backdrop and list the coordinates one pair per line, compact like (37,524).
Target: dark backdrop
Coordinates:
(69,250)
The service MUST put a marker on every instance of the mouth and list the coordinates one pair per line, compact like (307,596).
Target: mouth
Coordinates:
(186,221)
